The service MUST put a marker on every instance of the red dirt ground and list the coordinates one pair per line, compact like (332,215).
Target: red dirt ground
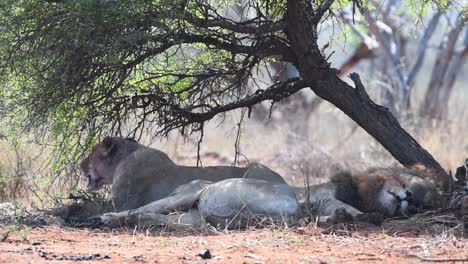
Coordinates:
(286,245)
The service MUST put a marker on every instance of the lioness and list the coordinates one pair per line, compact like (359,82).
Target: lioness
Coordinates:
(140,175)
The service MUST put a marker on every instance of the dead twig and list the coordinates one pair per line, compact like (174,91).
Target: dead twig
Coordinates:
(437,259)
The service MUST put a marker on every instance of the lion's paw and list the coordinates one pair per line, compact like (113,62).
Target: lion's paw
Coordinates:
(340,216)
(108,220)
(373,218)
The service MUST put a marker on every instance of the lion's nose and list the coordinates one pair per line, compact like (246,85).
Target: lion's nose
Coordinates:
(409,197)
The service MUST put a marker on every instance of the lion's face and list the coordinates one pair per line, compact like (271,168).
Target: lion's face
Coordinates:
(394,198)
(97,172)
(99,167)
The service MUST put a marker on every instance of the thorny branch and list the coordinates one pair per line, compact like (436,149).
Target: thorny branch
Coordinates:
(173,116)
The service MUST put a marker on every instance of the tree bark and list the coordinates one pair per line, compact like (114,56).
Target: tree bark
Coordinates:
(301,30)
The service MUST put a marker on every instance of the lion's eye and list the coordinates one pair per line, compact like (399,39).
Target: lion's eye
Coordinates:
(394,195)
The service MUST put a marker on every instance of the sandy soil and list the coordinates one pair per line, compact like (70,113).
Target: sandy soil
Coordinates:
(308,244)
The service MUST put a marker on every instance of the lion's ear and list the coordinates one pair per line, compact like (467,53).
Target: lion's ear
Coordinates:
(107,146)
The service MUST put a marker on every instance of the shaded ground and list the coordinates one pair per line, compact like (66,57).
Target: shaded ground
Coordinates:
(369,244)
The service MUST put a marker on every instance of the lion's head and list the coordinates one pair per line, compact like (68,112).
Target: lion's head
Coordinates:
(394,197)
(100,165)
(384,194)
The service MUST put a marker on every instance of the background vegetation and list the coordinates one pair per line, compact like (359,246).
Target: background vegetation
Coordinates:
(411,56)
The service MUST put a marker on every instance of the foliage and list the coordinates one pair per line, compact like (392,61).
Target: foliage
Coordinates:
(79,69)
(75,70)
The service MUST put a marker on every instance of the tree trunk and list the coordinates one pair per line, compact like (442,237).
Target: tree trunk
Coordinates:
(376,120)
(448,62)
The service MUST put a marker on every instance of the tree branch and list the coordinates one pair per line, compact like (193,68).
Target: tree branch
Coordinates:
(245,27)
(403,88)
(174,116)
(322,8)
(423,48)
(433,103)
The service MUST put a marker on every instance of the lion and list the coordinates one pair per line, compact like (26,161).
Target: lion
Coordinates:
(366,196)
(140,175)
(148,188)
(231,203)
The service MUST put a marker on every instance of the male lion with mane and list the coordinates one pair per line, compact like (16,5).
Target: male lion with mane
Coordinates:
(147,187)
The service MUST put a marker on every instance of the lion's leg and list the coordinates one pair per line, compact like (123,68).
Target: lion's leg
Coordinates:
(236,203)
(335,211)
(331,210)
(327,207)
(182,199)
(155,212)
(190,218)
(320,201)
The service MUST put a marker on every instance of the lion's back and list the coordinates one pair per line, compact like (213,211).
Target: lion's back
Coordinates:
(139,178)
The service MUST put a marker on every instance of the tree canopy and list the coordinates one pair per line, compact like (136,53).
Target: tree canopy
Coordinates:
(91,67)
(100,64)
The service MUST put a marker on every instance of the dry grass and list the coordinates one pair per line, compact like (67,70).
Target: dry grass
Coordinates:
(447,142)
(27,175)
